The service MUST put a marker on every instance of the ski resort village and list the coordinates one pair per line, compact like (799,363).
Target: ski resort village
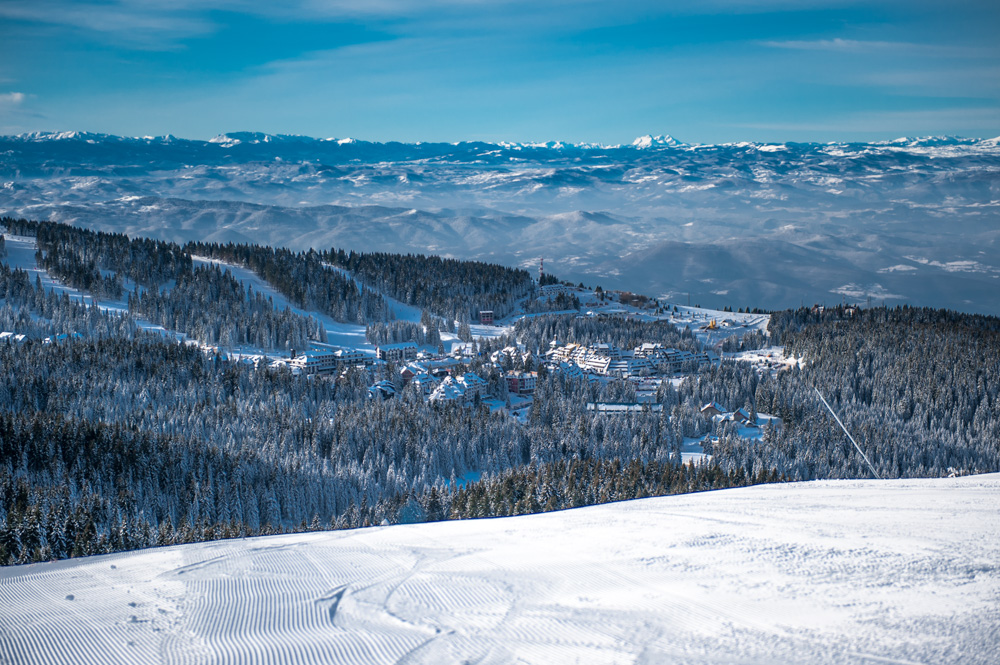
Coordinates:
(462,362)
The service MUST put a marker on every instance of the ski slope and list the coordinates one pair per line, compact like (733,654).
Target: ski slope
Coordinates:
(903,571)
(338,333)
(21,255)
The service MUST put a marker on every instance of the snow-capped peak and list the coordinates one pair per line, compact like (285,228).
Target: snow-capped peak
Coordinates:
(225,140)
(90,137)
(662,141)
(257,138)
(925,141)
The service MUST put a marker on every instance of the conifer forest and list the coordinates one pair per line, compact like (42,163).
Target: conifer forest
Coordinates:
(114,437)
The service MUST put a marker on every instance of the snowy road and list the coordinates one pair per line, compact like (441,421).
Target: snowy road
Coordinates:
(825,572)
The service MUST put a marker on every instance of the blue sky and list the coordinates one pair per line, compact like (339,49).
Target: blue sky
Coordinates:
(448,70)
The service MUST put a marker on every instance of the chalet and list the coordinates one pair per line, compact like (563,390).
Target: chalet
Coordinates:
(571,370)
(382,390)
(462,390)
(425,383)
(743,416)
(462,350)
(13,338)
(396,352)
(486,317)
(712,409)
(448,391)
(509,352)
(62,337)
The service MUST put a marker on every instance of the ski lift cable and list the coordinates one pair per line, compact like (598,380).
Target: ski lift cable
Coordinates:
(870,465)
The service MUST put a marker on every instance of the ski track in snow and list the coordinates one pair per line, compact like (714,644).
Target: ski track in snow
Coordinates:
(21,254)
(902,571)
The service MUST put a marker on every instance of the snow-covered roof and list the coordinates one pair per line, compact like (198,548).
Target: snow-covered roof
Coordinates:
(448,391)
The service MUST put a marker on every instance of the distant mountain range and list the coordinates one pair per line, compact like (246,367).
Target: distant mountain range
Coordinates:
(262,144)
(909,220)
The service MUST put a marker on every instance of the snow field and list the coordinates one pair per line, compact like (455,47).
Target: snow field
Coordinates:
(903,571)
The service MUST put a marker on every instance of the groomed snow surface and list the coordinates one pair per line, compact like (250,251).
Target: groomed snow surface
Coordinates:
(904,571)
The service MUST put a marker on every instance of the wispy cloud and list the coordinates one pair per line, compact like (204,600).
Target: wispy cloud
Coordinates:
(17,113)
(513,69)
(130,21)
(868,46)
(12,98)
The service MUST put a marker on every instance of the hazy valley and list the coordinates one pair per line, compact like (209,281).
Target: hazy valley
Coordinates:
(745,224)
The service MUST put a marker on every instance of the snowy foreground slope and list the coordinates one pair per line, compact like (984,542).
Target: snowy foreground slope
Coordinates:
(825,572)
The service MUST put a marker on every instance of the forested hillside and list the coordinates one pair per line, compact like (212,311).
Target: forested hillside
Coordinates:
(304,279)
(920,388)
(447,287)
(78,256)
(109,264)
(114,438)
